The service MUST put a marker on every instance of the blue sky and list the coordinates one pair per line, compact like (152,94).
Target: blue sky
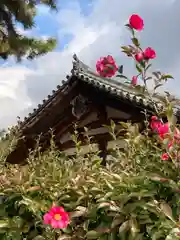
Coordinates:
(91,29)
(48,25)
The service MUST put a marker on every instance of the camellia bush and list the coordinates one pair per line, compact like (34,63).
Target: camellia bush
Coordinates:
(136,196)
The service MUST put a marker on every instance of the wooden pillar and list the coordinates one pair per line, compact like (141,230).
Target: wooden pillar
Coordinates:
(102,142)
(21,151)
(24,145)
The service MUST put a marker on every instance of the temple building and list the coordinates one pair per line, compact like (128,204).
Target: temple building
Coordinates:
(88,101)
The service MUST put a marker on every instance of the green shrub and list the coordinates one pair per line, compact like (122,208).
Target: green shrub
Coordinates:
(135,197)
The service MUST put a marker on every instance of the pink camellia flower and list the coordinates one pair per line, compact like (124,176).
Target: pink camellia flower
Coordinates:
(177,136)
(165,156)
(139,56)
(154,118)
(106,66)
(155,123)
(134,80)
(170,144)
(149,53)
(136,22)
(57,217)
(163,130)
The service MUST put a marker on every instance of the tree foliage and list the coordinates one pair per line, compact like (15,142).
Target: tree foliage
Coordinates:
(13,12)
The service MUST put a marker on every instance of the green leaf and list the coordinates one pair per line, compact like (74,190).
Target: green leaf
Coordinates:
(148,78)
(93,235)
(140,89)
(127,53)
(67,230)
(158,85)
(78,213)
(169,113)
(125,48)
(4,223)
(39,237)
(157,74)
(134,226)
(148,66)
(128,82)
(124,227)
(142,63)
(135,41)
(104,205)
(130,28)
(138,68)
(64,237)
(128,25)
(166,210)
(166,76)
(116,222)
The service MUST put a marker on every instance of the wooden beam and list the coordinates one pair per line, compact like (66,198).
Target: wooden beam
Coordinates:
(101,123)
(117,113)
(84,140)
(105,98)
(70,122)
(94,147)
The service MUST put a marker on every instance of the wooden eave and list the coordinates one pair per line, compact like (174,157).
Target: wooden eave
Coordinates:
(46,104)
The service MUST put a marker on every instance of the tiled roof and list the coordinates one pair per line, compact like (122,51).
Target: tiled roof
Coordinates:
(124,91)
(46,102)
(113,86)
(121,90)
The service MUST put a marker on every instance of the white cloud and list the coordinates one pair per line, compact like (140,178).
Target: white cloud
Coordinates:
(100,33)
(43,10)
(13,94)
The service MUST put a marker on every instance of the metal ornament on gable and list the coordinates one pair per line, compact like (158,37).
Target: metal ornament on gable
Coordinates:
(79,106)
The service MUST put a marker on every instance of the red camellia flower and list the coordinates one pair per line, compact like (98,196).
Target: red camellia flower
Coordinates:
(155,124)
(154,118)
(170,144)
(136,22)
(106,66)
(163,130)
(149,53)
(165,156)
(134,80)
(177,136)
(139,56)
(57,217)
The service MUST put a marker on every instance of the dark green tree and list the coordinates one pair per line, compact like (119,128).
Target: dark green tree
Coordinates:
(14,43)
